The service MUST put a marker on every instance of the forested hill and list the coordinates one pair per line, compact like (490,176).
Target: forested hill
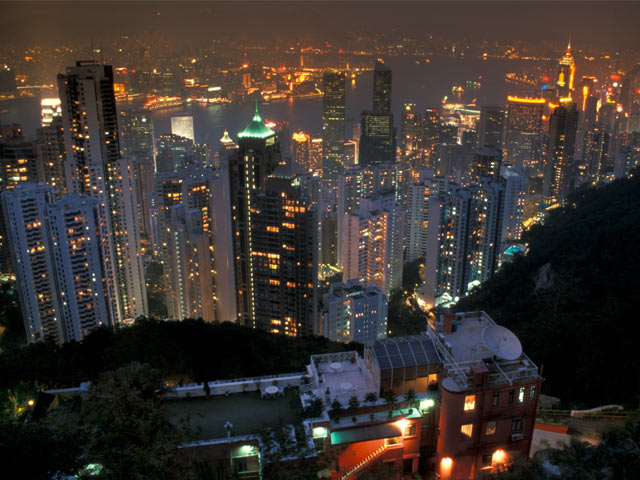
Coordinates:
(574,299)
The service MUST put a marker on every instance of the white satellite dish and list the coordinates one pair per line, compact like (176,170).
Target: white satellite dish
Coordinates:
(502,342)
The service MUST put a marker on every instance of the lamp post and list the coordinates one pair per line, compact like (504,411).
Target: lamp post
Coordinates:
(228,426)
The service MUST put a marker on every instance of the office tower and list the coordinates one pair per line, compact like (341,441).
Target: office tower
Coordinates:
(257,157)
(137,133)
(463,240)
(487,162)
(174,150)
(411,136)
(491,126)
(315,154)
(182,125)
(596,151)
(431,137)
(566,72)
(515,189)
(524,129)
(353,312)
(377,141)
(144,170)
(447,143)
(333,115)
(94,168)
(420,195)
(50,151)
(227,146)
(49,109)
(372,243)
(563,125)
(301,146)
(469,142)
(350,190)
(351,154)
(381,89)
(55,252)
(284,264)
(588,89)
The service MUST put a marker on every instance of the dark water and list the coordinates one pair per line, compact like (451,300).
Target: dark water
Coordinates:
(424,84)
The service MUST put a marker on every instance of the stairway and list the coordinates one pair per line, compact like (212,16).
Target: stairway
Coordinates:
(356,468)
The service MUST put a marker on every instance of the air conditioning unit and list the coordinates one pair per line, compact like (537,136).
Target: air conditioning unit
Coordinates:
(516,436)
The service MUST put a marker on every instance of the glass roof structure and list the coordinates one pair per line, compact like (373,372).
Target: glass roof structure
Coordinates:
(400,352)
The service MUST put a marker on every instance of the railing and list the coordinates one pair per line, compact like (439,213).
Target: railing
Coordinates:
(372,456)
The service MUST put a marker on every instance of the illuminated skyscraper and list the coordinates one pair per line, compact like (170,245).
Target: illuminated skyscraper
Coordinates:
(350,190)
(49,109)
(420,194)
(333,115)
(559,167)
(137,133)
(566,73)
(182,125)
(301,146)
(431,137)
(93,167)
(284,264)
(487,162)
(524,129)
(257,157)
(491,126)
(382,89)
(315,154)
(377,142)
(411,136)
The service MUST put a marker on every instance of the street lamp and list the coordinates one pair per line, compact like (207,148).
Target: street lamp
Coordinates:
(228,426)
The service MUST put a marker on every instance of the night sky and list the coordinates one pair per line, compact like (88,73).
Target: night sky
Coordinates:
(606,24)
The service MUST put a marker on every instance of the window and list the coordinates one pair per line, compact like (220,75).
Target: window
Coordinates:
(496,398)
(491,428)
(469,403)
(410,430)
(240,464)
(467,430)
(511,394)
(532,392)
(521,395)
(487,460)
(516,425)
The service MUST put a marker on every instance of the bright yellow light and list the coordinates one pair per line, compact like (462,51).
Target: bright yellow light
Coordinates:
(553,105)
(499,457)
(446,467)
(538,101)
(402,423)
(31,403)
(564,99)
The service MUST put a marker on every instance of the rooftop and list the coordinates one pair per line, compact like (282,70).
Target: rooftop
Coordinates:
(256,128)
(246,411)
(400,352)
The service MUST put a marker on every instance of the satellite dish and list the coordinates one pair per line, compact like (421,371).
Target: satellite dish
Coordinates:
(502,342)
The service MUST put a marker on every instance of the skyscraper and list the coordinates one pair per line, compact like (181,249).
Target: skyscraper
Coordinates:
(491,126)
(431,137)
(137,133)
(411,135)
(381,89)
(350,190)
(284,264)
(420,194)
(301,146)
(377,141)
(50,150)
(182,125)
(559,166)
(94,168)
(524,129)
(333,115)
(566,73)
(487,162)
(257,157)
(55,247)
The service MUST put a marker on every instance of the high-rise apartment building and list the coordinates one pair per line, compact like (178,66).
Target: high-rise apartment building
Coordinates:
(491,126)
(559,167)
(431,137)
(333,115)
(352,312)
(411,135)
(173,151)
(515,188)
(50,151)
(596,151)
(55,248)
(257,157)
(94,168)
(49,109)
(524,131)
(284,263)
(487,162)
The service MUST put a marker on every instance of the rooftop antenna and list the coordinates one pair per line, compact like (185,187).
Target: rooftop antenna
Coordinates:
(93,56)
(101,55)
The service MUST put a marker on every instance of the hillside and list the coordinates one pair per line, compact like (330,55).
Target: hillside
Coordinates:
(573,299)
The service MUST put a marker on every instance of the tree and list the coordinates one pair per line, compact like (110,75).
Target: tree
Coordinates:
(126,428)
(371,398)
(354,403)
(411,398)
(391,399)
(336,408)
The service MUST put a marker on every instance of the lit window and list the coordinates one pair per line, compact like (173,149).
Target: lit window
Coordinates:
(469,402)
(467,430)
(532,392)
(410,430)
(491,428)
(521,395)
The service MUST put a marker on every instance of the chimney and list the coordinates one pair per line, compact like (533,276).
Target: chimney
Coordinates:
(447,320)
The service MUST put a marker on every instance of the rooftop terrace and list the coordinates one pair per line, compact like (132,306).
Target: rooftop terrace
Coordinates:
(247,412)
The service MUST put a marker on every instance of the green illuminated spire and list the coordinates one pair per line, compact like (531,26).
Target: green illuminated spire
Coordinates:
(256,128)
